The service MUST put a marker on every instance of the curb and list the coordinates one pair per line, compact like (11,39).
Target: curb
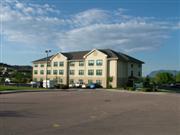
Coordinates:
(23,91)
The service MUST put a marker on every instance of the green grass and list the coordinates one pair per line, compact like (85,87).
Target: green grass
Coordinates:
(9,88)
(169,90)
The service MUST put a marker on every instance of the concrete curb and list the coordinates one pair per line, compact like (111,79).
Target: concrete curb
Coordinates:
(23,91)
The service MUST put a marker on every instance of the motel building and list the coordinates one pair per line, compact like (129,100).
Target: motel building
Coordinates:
(103,66)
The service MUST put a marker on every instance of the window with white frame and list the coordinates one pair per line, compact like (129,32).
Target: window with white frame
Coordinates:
(90,62)
(99,72)
(35,72)
(99,82)
(81,63)
(55,64)
(36,65)
(72,64)
(90,81)
(71,72)
(90,72)
(55,72)
(42,72)
(61,72)
(61,63)
(81,72)
(99,62)
(48,72)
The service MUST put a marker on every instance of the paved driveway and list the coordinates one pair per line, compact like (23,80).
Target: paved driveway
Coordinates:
(89,113)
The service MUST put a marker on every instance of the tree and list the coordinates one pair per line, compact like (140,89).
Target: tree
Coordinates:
(164,78)
(178,77)
(146,81)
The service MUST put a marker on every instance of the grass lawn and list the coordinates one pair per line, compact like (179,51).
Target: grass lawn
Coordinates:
(169,90)
(5,88)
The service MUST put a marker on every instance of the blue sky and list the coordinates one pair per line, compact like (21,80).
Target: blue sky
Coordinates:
(146,29)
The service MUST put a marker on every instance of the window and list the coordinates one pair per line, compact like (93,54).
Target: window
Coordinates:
(35,72)
(42,72)
(132,73)
(99,82)
(71,72)
(80,81)
(42,65)
(91,63)
(99,62)
(139,73)
(90,81)
(55,72)
(132,65)
(60,80)
(36,65)
(90,72)
(71,81)
(61,63)
(81,63)
(55,64)
(71,64)
(48,72)
(139,65)
(99,72)
(49,64)
(61,72)
(81,72)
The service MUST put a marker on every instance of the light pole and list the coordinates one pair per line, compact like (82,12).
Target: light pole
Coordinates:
(47,54)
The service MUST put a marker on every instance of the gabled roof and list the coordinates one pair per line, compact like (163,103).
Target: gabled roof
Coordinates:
(43,59)
(130,59)
(78,55)
(75,55)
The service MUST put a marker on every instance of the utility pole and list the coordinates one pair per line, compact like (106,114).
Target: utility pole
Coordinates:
(47,55)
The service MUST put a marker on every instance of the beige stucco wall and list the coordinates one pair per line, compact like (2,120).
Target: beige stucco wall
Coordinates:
(76,68)
(122,73)
(112,72)
(39,68)
(97,55)
(57,58)
(136,69)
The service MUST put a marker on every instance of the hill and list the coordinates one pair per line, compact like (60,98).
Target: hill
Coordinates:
(16,73)
(153,73)
(16,67)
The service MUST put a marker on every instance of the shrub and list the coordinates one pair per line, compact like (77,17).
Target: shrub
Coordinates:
(109,86)
(130,88)
(61,86)
(110,79)
(147,89)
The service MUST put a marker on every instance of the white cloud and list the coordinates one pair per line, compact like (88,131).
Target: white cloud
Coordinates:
(130,36)
(19,5)
(44,25)
(90,16)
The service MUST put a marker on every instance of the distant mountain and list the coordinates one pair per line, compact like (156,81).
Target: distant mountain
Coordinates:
(153,73)
(16,67)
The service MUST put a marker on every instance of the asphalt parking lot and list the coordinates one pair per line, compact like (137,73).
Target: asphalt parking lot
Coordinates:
(89,112)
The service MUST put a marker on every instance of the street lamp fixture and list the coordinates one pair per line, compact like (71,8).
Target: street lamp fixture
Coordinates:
(47,55)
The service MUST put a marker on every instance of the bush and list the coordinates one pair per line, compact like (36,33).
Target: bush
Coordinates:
(109,86)
(61,86)
(147,89)
(130,88)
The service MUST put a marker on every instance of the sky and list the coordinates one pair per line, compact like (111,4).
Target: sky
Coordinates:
(148,30)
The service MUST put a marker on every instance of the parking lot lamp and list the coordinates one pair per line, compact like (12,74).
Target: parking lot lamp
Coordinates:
(47,55)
